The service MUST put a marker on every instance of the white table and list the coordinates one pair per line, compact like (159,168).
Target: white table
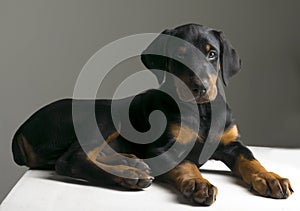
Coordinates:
(44,190)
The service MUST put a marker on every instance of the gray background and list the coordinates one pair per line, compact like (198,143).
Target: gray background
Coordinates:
(45,43)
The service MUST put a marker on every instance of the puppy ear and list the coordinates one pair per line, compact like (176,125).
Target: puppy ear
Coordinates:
(156,62)
(230,60)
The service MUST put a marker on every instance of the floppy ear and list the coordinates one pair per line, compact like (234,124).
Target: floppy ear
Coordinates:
(157,62)
(230,60)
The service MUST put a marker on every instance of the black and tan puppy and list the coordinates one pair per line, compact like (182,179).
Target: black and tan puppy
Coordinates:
(48,140)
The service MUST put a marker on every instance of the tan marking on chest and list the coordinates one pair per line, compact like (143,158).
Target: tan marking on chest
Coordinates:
(184,134)
(230,135)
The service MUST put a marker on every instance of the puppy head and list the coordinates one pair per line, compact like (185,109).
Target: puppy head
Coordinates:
(196,54)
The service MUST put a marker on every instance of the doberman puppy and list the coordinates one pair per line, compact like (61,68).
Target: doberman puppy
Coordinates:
(48,139)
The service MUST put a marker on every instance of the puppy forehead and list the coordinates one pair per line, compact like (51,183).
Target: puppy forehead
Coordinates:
(208,39)
(197,35)
(212,45)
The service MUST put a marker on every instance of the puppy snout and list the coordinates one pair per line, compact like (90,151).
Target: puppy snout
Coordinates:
(200,89)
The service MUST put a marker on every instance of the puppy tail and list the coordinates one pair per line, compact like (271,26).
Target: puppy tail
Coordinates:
(16,151)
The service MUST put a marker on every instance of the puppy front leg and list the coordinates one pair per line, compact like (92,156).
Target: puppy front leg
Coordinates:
(188,180)
(242,162)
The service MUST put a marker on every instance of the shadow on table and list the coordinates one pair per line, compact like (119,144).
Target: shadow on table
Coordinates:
(178,197)
(59,178)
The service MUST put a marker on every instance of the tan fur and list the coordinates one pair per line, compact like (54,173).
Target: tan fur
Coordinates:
(230,135)
(207,47)
(186,176)
(248,168)
(93,154)
(183,134)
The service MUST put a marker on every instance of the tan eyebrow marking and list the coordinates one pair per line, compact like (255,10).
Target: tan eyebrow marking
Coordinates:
(207,47)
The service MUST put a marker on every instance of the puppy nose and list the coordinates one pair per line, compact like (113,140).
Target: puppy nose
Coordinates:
(201,89)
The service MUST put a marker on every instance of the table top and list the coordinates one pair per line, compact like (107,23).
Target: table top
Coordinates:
(45,190)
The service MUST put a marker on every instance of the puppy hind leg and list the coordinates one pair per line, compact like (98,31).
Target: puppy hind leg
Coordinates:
(76,163)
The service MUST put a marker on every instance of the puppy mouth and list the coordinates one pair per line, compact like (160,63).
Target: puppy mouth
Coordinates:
(196,95)
(202,100)
(210,96)
(199,99)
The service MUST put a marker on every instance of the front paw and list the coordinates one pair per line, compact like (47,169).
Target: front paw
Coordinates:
(133,178)
(271,185)
(127,170)
(200,191)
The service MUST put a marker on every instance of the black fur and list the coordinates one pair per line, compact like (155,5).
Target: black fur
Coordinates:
(50,132)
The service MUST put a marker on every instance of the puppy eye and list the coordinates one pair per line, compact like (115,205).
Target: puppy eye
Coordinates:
(212,55)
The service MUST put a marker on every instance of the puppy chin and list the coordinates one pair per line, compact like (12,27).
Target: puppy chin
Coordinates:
(206,98)
(194,99)
(189,98)
(202,101)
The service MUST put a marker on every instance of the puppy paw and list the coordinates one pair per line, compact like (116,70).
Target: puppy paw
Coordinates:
(127,170)
(132,178)
(124,159)
(200,191)
(269,184)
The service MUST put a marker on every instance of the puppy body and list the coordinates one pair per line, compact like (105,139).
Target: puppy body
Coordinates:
(47,140)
